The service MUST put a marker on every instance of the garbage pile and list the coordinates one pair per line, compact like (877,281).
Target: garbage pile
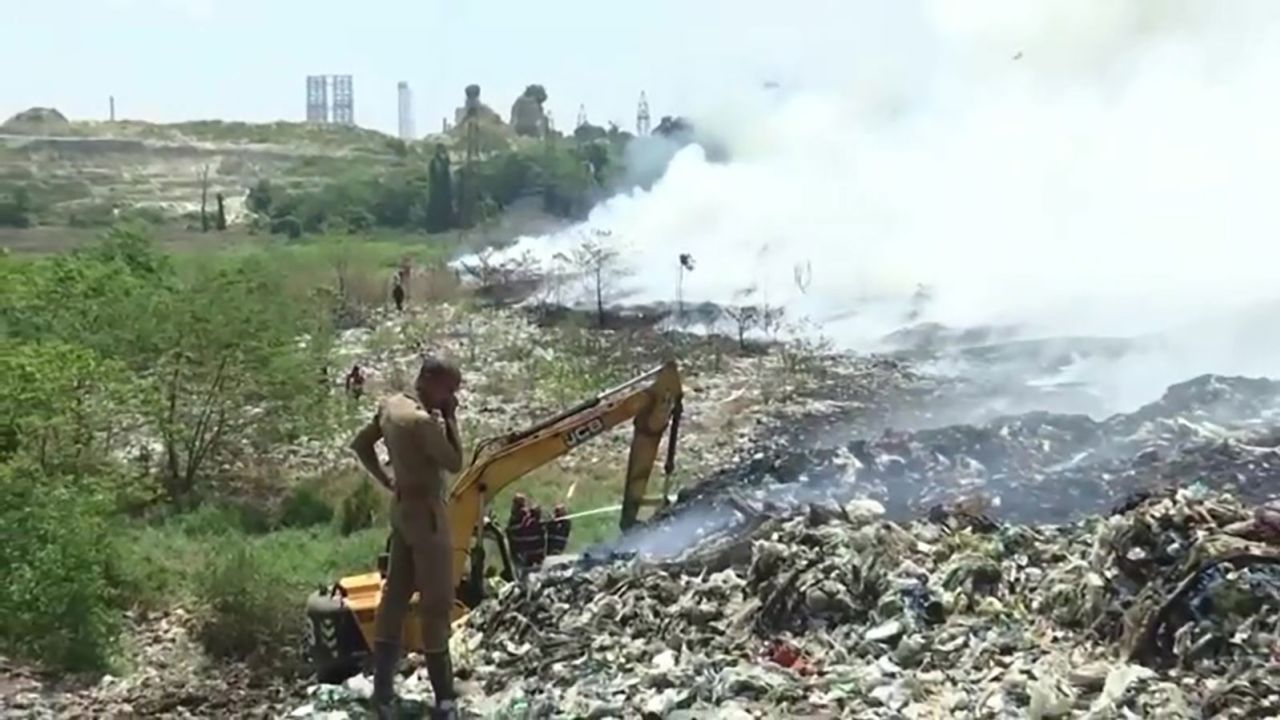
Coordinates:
(1039,566)
(1156,611)
(1169,608)
(1035,467)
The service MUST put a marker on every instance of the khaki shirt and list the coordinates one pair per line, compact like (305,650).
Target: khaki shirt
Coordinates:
(421,455)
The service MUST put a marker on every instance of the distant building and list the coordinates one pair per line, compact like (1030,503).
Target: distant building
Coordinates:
(344,103)
(317,99)
(320,88)
(406,111)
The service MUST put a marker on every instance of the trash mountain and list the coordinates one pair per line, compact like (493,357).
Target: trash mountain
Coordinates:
(1036,566)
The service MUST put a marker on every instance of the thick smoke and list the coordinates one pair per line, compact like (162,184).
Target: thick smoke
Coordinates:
(1066,167)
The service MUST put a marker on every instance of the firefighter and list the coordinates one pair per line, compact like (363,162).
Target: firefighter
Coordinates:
(558,531)
(529,541)
(537,537)
(519,508)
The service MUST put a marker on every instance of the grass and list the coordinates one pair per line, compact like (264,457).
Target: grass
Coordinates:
(165,561)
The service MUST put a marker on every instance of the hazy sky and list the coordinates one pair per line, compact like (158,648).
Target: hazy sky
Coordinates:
(168,60)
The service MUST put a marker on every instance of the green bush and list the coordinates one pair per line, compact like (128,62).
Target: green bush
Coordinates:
(249,606)
(288,226)
(15,207)
(225,518)
(359,508)
(304,507)
(58,600)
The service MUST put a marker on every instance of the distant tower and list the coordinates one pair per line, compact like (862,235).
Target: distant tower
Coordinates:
(406,111)
(317,99)
(642,116)
(113,108)
(344,104)
(582,115)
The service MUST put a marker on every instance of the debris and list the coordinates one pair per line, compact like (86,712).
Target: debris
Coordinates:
(1026,621)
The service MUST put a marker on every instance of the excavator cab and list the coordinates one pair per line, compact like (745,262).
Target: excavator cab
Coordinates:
(341,617)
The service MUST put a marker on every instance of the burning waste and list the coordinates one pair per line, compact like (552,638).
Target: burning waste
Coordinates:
(1036,566)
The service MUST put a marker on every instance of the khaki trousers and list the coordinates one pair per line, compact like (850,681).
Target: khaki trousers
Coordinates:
(420,560)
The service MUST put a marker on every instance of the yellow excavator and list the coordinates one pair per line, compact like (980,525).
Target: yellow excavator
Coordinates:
(341,617)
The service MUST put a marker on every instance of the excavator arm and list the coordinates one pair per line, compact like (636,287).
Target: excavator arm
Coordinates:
(652,400)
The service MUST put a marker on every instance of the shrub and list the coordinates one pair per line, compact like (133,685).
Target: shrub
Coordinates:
(57,603)
(249,607)
(304,507)
(227,518)
(288,226)
(359,508)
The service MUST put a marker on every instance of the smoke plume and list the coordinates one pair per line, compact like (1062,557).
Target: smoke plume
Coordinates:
(1064,167)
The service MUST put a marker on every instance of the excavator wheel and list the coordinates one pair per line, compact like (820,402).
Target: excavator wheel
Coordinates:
(335,646)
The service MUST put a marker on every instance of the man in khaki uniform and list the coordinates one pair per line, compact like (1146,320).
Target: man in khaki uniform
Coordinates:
(421,435)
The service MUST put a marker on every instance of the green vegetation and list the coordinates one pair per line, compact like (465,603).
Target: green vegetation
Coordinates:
(426,189)
(138,390)
(15,207)
(144,396)
(297,178)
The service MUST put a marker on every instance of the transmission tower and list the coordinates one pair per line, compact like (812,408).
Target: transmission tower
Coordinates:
(642,116)
(582,115)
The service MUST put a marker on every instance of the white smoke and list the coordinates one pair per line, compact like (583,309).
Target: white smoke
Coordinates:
(1070,167)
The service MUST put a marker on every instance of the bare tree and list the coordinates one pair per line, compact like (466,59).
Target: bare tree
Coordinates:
(745,318)
(745,315)
(190,432)
(204,199)
(770,320)
(599,267)
(504,279)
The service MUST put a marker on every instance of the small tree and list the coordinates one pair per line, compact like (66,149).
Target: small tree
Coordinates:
(770,320)
(260,197)
(745,318)
(439,216)
(599,267)
(15,211)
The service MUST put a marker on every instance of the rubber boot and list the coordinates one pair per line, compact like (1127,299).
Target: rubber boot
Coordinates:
(385,658)
(440,671)
(445,710)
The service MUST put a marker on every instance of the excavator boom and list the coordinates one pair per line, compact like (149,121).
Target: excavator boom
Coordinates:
(652,400)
